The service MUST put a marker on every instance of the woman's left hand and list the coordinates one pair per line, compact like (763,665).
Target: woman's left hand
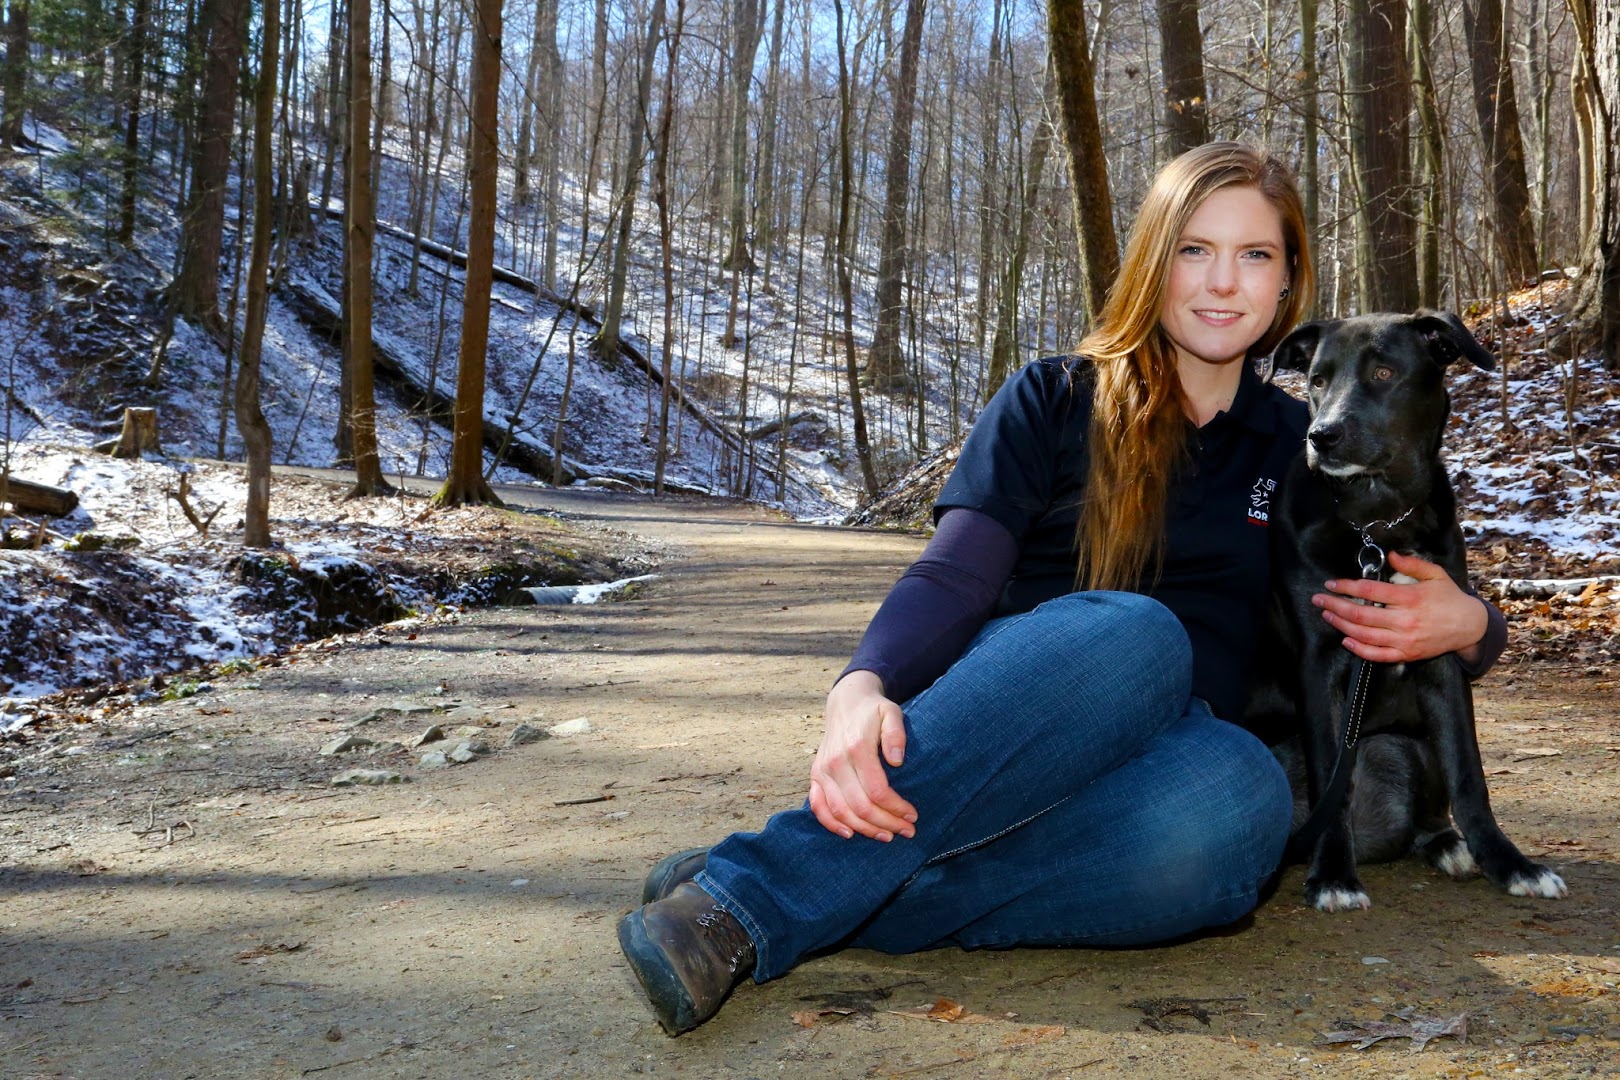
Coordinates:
(1418,620)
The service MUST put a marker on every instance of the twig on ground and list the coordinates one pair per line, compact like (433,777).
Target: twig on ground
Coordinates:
(582,802)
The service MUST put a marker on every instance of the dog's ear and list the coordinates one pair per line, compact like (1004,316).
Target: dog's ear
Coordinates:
(1448,339)
(1295,351)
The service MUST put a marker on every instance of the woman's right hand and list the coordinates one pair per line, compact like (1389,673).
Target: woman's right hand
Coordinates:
(849,791)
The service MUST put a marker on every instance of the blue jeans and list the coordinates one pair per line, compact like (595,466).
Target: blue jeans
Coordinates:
(1069,791)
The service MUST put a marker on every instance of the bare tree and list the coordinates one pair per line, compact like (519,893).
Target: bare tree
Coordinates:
(747,27)
(1497,107)
(1380,104)
(1431,175)
(884,369)
(846,185)
(465,482)
(250,421)
(1596,92)
(1088,165)
(135,65)
(360,224)
(1186,97)
(607,339)
(222,29)
(14,76)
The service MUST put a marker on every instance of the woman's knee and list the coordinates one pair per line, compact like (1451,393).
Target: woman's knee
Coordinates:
(1125,633)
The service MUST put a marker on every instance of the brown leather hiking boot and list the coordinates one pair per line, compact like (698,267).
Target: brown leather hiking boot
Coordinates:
(671,871)
(687,953)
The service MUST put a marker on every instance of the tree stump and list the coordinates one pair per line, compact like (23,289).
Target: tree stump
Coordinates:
(140,434)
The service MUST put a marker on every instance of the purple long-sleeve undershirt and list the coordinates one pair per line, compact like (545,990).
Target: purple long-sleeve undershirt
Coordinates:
(944,598)
(938,604)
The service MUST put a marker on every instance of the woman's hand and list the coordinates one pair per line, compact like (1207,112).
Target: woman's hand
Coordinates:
(1418,620)
(849,791)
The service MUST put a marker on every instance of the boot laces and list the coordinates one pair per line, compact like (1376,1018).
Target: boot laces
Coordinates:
(713,921)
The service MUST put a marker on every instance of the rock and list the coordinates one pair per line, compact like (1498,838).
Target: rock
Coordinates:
(434,759)
(351,777)
(1371,960)
(524,734)
(432,734)
(467,751)
(580,726)
(469,731)
(345,743)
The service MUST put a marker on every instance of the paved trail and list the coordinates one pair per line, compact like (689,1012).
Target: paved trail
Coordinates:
(461,924)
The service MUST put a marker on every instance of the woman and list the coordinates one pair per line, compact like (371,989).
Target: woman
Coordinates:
(1064,773)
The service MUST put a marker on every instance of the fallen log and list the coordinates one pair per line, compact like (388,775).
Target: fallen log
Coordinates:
(316,307)
(25,496)
(771,427)
(1544,588)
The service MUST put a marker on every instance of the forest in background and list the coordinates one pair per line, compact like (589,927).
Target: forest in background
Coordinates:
(947,182)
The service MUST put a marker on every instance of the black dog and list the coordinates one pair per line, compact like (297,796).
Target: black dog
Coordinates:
(1371,481)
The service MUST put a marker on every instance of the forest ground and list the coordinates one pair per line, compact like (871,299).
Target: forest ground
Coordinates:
(184,893)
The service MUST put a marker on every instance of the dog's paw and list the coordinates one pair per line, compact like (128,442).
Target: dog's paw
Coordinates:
(1338,898)
(1457,861)
(1540,882)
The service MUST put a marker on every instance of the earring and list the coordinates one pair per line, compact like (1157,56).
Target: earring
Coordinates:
(1284,294)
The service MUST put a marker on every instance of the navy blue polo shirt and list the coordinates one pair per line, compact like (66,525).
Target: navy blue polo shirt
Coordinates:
(1024,464)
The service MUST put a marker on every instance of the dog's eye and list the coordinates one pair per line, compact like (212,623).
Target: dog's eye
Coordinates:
(1383,374)
(1318,381)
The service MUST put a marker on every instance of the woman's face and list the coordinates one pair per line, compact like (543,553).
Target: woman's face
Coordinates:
(1226,274)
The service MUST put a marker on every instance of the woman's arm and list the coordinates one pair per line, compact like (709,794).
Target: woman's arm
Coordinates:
(1428,617)
(926,621)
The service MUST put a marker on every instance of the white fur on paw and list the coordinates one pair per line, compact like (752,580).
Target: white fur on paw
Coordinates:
(1544,884)
(1336,899)
(1399,578)
(1458,861)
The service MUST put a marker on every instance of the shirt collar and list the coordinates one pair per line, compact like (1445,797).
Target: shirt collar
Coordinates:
(1254,406)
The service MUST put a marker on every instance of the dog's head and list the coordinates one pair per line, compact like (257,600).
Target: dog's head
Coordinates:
(1377,390)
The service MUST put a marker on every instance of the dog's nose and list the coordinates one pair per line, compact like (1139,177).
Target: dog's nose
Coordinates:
(1326,437)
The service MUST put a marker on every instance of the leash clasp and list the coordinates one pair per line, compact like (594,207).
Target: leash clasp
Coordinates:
(1371,558)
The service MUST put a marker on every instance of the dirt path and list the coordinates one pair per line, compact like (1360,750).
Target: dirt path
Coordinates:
(183,893)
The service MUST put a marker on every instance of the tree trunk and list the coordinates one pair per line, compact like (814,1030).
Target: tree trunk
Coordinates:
(1004,346)
(884,369)
(223,31)
(250,421)
(1497,107)
(336,108)
(1431,174)
(523,152)
(133,79)
(846,182)
(1310,84)
(1380,104)
(465,483)
(550,158)
(1596,88)
(666,234)
(14,77)
(140,434)
(765,182)
(748,25)
(360,225)
(1088,169)
(607,340)
(598,103)
(1181,55)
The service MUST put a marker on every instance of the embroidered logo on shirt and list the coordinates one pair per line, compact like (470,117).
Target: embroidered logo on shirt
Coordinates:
(1260,502)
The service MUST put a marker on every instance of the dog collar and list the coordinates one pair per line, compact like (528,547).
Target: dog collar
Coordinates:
(1372,558)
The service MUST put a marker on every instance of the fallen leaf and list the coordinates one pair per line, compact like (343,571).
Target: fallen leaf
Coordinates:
(1420,1029)
(946,1011)
(1528,752)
